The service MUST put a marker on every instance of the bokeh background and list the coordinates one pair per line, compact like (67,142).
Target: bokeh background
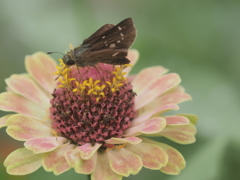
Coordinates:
(199,40)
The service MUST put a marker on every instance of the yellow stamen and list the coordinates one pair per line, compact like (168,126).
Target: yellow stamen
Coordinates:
(102,94)
(118,147)
(120,84)
(97,88)
(54,132)
(90,87)
(109,83)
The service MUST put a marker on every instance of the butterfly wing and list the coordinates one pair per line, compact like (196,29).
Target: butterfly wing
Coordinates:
(109,45)
(120,36)
(96,35)
(114,56)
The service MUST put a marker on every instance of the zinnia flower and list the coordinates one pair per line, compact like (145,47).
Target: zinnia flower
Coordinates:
(94,119)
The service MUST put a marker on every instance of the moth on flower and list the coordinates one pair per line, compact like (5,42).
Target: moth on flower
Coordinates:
(109,45)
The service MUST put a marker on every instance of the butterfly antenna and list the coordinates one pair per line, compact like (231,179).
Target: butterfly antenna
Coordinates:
(55,52)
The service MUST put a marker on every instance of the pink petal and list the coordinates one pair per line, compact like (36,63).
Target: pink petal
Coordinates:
(49,95)
(176,161)
(87,150)
(8,89)
(41,66)
(42,145)
(3,120)
(156,88)
(171,169)
(157,112)
(72,156)
(26,75)
(24,128)
(146,76)
(55,160)
(80,165)
(174,98)
(153,156)
(131,140)
(133,56)
(26,87)
(177,89)
(22,162)
(13,102)
(177,120)
(184,134)
(124,162)
(103,171)
(152,126)
(193,118)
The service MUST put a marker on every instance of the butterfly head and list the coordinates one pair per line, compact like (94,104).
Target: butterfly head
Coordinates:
(68,60)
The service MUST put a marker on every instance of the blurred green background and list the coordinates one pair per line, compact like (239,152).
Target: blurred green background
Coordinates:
(199,40)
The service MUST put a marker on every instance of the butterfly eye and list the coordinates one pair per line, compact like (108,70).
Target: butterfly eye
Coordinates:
(70,62)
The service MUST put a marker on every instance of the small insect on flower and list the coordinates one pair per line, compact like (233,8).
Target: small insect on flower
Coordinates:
(109,45)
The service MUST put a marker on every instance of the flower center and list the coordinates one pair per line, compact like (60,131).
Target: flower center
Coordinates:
(92,104)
